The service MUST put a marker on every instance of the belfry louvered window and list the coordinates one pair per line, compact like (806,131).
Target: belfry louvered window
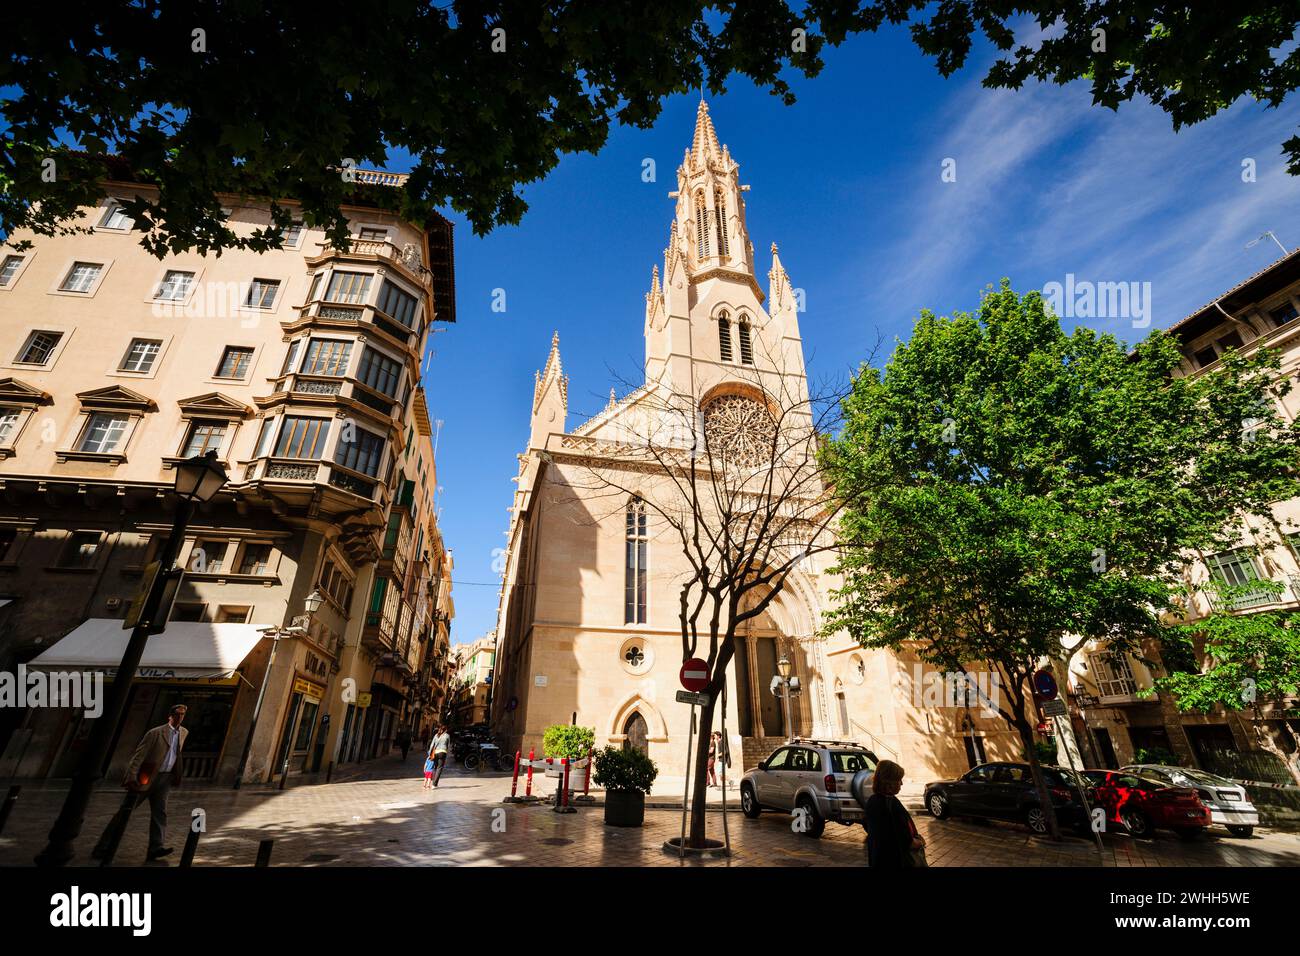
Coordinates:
(720,221)
(746,346)
(724,337)
(701,227)
(635,581)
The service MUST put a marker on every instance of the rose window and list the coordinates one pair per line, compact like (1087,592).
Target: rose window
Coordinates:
(739,430)
(634,656)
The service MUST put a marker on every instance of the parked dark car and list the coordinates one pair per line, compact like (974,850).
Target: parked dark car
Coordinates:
(1143,804)
(1005,791)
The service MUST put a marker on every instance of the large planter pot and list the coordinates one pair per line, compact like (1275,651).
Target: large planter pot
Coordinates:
(624,808)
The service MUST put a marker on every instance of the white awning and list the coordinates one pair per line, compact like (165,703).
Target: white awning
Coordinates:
(186,650)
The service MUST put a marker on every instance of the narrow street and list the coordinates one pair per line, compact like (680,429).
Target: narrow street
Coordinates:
(379,816)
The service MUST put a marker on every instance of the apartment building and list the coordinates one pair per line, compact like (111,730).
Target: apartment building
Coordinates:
(475,668)
(300,368)
(1261,312)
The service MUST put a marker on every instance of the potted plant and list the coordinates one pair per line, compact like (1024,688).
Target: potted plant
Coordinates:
(626,776)
(567,740)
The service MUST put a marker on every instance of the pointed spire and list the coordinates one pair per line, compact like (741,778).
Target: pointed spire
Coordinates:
(778,283)
(612,400)
(705,146)
(553,370)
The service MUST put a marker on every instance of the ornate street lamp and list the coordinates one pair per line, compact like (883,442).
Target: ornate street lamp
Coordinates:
(198,479)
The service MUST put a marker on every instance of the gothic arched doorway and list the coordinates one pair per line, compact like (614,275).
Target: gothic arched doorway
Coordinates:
(635,732)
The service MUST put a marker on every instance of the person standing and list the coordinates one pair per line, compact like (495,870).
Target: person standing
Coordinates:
(713,759)
(154,768)
(892,838)
(722,755)
(404,742)
(438,751)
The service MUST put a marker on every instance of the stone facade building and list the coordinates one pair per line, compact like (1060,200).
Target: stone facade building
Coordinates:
(588,625)
(1111,719)
(301,369)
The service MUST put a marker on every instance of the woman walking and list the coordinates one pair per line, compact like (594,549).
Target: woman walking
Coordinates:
(892,837)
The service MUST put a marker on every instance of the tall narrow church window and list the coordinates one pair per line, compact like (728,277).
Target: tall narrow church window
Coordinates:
(720,220)
(724,337)
(701,227)
(635,587)
(746,346)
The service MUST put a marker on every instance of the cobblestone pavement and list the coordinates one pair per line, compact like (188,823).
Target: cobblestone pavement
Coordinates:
(380,816)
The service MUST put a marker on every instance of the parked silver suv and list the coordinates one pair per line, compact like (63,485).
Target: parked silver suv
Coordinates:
(813,779)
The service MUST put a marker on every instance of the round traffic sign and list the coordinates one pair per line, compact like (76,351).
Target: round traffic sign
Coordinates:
(695,675)
(1045,685)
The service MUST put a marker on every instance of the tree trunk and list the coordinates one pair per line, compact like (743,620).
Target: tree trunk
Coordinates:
(1266,743)
(1040,784)
(699,774)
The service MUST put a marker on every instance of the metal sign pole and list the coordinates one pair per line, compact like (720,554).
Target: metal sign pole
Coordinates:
(722,747)
(686,784)
(1078,785)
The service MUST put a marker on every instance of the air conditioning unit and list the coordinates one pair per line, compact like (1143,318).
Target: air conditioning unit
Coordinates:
(113,603)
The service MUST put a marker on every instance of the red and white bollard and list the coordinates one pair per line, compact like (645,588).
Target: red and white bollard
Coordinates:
(562,804)
(528,788)
(514,783)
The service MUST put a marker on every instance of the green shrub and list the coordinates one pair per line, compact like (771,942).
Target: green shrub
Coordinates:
(1046,750)
(629,769)
(1156,755)
(566,740)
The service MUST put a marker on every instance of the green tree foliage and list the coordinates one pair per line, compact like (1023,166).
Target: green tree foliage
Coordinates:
(1008,486)
(1251,663)
(269,99)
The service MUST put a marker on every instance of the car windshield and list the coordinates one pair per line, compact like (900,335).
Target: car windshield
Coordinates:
(851,761)
(1188,777)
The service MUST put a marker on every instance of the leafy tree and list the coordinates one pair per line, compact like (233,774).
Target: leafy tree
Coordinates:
(1251,664)
(1010,485)
(217,96)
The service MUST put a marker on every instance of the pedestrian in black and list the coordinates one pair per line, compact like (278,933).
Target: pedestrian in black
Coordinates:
(892,837)
(404,742)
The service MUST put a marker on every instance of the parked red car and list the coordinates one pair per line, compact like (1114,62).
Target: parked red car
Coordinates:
(1143,805)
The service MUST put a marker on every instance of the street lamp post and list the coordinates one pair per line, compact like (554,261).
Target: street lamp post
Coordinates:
(311,604)
(783,668)
(197,479)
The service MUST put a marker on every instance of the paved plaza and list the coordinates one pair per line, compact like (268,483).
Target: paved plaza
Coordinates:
(378,815)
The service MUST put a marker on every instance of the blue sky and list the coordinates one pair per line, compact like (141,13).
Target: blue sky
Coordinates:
(848,182)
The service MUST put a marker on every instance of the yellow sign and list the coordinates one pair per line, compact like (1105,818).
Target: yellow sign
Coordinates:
(308,689)
(363,700)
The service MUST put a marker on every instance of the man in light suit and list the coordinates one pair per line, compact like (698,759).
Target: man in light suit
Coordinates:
(153,770)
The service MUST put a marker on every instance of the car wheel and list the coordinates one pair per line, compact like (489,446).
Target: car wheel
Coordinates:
(815,823)
(1036,820)
(748,802)
(938,806)
(1241,831)
(1136,823)
(471,761)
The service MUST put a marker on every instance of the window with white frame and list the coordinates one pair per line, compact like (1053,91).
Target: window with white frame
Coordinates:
(348,287)
(8,423)
(38,348)
(372,234)
(262,293)
(1114,675)
(140,355)
(175,286)
(292,233)
(8,269)
(81,277)
(208,556)
(104,433)
(80,548)
(115,217)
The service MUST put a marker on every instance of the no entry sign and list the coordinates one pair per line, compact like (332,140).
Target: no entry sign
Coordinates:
(695,674)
